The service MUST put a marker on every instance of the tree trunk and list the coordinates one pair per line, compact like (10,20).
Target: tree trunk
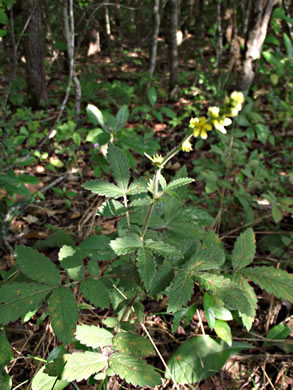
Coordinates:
(257,31)
(156,29)
(34,52)
(173,48)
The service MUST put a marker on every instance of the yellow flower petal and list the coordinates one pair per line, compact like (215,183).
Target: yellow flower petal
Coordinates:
(203,134)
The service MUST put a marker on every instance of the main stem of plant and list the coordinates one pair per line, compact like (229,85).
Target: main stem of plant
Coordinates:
(156,194)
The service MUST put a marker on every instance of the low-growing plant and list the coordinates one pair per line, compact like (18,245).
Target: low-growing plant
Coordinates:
(162,248)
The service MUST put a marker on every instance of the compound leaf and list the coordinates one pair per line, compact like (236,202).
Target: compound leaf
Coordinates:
(274,281)
(63,312)
(95,292)
(37,266)
(146,266)
(120,167)
(135,371)
(93,336)
(81,365)
(133,344)
(244,249)
(17,299)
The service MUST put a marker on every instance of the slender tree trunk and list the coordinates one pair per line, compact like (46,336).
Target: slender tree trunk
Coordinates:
(34,52)
(156,29)
(173,48)
(257,31)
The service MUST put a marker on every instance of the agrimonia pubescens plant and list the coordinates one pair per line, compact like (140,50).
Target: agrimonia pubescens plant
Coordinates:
(162,248)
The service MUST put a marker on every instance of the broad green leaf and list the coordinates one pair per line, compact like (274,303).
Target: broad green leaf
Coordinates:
(251,297)
(178,183)
(66,251)
(134,371)
(152,95)
(63,312)
(97,247)
(229,292)
(127,244)
(17,299)
(103,188)
(55,367)
(93,268)
(274,281)
(278,332)
(208,304)
(95,292)
(37,266)
(138,187)
(96,116)
(55,241)
(199,358)
(119,166)
(111,208)
(81,365)
(93,336)
(5,379)
(163,249)
(223,330)
(276,214)
(162,278)
(146,266)
(3,16)
(244,249)
(180,292)
(133,344)
(288,45)
(6,354)
(42,381)
(206,259)
(121,118)
(221,313)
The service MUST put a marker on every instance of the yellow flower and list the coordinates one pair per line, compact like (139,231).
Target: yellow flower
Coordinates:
(219,121)
(186,146)
(200,127)
(237,98)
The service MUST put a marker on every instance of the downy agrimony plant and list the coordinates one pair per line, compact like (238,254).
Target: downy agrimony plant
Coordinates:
(162,248)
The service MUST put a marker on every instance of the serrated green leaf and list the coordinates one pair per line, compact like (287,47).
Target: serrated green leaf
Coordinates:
(163,249)
(199,358)
(133,344)
(221,313)
(5,379)
(183,181)
(16,299)
(6,354)
(135,371)
(37,266)
(111,208)
(127,244)
(137,187)
(97,247)
(55,367)
(162,278)
(63,312)
(206,259)
(251,297)
(103,188)
(223,330)
(96,116)
(244,249)
(55,241)
(95,292)
(42,381)
(93,268)
(227,291)
(120,167)
(81,365)
(180,292)
(121,118)
(146,266)
(274,281)
(93,336)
